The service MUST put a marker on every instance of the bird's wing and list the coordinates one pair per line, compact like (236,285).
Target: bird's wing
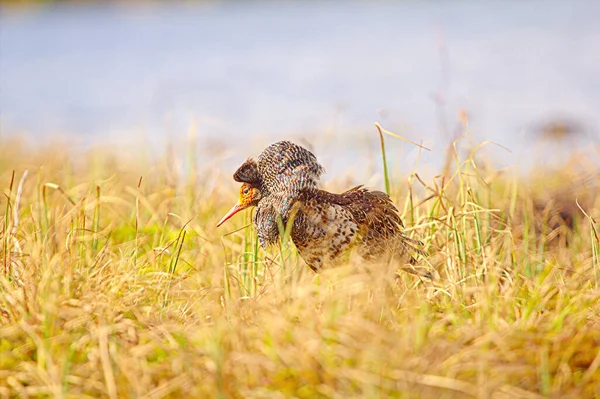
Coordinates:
(378,220)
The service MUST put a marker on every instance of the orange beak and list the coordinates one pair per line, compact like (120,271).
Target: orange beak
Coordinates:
(236,208)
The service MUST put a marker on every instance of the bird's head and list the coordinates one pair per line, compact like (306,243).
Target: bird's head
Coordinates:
(249,196)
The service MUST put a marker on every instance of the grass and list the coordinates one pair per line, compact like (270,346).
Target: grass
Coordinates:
(115,285)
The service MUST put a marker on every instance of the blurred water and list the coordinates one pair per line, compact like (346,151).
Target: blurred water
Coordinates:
(246,72)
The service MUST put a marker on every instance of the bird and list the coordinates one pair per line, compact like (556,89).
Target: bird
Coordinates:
(282,183)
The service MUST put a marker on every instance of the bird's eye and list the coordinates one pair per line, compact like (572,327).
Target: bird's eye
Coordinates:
(245,191)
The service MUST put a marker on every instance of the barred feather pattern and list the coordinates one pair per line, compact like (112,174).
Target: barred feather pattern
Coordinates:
(285,167)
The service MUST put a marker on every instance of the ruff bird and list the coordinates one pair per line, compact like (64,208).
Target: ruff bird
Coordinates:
(282,184)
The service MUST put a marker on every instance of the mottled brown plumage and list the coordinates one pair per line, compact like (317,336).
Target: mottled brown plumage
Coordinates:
(326,225)
(282,183)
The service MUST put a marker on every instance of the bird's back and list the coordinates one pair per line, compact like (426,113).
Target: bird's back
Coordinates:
(328,224)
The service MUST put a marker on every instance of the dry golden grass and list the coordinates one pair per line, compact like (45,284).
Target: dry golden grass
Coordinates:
(115,287)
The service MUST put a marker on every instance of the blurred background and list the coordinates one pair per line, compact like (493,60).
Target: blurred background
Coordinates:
(238,75)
